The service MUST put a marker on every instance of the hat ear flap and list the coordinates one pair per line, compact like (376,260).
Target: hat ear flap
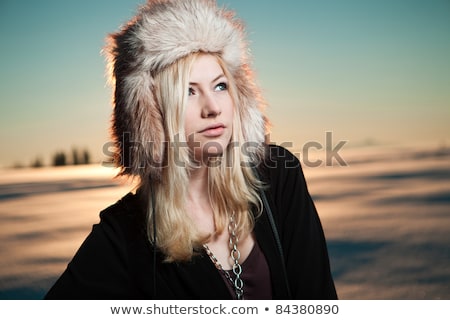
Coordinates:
(254,124)
(138,127)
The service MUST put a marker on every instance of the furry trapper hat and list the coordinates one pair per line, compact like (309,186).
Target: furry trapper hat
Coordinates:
(162,32)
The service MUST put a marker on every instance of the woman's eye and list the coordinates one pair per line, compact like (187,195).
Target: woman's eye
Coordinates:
(221,87)
(191,91)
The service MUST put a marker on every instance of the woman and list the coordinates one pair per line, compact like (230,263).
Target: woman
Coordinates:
(218,213)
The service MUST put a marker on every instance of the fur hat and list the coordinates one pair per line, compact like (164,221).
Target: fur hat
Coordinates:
(162,32)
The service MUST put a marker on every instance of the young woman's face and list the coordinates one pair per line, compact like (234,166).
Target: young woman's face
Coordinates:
(209,112)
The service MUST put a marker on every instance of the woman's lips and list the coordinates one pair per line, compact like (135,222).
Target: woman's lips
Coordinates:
(213,131)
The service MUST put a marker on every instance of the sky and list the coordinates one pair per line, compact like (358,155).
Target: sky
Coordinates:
(370,72)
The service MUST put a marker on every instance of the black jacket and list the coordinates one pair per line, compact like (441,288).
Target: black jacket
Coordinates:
(116,261)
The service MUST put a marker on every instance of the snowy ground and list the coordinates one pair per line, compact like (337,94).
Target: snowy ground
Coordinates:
(386,218)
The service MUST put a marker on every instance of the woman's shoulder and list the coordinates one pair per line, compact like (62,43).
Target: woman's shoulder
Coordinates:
(99,269)
(280,157)
(279,161)
(126,213)
(281,167)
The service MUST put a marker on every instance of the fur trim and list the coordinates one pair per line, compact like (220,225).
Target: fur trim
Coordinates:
(162,32)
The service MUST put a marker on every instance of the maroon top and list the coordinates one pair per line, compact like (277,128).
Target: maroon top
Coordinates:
(255,275)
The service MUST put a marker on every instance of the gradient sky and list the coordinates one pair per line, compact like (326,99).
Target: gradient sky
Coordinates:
(365,70)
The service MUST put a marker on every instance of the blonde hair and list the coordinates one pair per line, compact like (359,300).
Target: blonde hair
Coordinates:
(232,184)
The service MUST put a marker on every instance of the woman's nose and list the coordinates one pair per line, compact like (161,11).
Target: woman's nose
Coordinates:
(211,107)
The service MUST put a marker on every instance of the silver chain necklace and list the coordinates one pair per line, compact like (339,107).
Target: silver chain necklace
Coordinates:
(235,255)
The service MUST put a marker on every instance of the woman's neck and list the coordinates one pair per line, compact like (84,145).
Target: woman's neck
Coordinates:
(198,184)
(198,201)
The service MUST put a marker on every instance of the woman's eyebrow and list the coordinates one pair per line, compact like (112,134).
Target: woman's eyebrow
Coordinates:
(214,80)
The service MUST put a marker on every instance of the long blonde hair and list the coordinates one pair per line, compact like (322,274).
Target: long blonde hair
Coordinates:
(232,184)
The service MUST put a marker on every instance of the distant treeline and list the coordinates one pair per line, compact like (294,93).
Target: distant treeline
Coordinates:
(61,158)
(77,157)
